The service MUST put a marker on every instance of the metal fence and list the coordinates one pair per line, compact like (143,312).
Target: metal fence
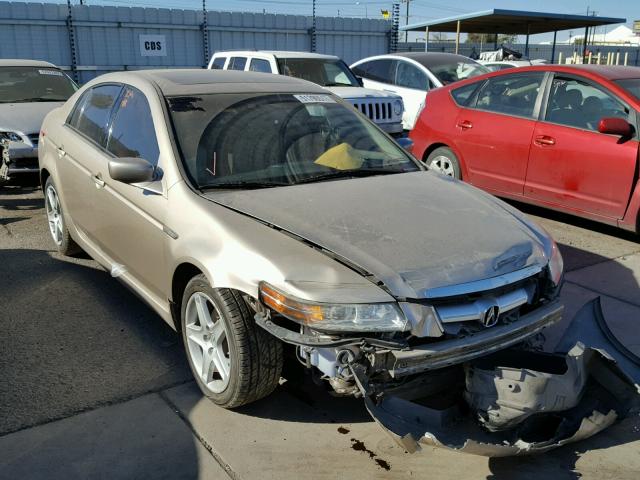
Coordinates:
(536,51)
(90,39)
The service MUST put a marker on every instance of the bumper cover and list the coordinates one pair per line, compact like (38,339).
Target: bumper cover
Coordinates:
(444,353)
(539,414)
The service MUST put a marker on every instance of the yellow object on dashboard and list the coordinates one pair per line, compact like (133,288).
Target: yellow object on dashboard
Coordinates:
(341,157)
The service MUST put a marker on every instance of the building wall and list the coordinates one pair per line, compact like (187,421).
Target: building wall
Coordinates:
(107,38)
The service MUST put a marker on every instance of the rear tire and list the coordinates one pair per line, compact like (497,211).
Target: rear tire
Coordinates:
(234,361)
(58,221)
(444,161)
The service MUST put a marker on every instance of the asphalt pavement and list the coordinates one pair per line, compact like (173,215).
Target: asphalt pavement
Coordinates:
(95,385)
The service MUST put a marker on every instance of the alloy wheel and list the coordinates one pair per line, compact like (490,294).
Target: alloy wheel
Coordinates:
(54,215)
(207,342)
(442,164)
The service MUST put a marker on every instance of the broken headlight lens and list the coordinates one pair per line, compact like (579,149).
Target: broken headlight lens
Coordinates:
(10,136)
(362,317)
(556,264)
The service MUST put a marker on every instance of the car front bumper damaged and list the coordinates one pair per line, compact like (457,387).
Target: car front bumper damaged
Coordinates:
(518,402)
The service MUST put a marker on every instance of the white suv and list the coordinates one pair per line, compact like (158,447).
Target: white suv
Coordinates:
(329,71)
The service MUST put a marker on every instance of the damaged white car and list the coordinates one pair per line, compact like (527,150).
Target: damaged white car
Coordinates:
(259,213)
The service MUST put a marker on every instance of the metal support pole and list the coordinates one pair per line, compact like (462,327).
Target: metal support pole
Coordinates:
(205,34)
(457,36)
(426,39)
(584,43)
(72,42)
(553,47)
(526,45)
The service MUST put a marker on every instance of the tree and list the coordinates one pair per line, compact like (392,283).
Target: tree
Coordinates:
(490,38)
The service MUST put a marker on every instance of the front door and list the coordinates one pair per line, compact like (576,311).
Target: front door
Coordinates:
(571,164)
(132,216)
(495,131)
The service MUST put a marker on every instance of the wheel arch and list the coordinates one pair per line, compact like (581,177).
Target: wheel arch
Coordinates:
(461,163)
(44,175)
(181,276)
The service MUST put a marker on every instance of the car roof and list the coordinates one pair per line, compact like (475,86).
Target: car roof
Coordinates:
(431,59)
(610,72)
(17,62)
(280,54)
(202,81)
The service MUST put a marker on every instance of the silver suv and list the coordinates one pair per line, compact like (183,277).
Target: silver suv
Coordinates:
(329,71)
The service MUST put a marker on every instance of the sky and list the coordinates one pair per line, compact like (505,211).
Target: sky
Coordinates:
(419,10)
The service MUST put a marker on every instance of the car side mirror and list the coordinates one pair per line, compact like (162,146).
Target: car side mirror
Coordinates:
(360,81)
(131,170)
(406,143)
(615,126)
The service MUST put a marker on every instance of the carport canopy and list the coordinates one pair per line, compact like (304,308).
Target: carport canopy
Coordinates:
(513,22)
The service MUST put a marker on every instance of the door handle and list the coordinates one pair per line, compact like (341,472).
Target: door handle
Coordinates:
(97,179)
(544,141)
(61,152)
(465,125)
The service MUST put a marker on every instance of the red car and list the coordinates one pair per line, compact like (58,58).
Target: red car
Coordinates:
(563,137)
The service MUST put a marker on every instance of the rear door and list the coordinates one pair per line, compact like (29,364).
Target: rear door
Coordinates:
(571,164)
(494,134)
(81,153)
(412,84)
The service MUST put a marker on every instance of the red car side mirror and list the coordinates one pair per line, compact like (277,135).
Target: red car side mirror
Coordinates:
(615,126)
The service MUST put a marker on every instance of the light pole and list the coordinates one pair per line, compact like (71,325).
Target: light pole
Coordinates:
(406,34)
(366,14)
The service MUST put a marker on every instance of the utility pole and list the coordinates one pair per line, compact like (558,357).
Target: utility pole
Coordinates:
(205,34)
(313,27)
(406,34)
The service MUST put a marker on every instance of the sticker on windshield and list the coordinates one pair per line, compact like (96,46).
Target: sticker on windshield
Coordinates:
(307,98)
(50,72)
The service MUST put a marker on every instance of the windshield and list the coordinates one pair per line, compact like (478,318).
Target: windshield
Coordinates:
(264,140)
(452,72)
(325,72)
(631,85)
(34,84)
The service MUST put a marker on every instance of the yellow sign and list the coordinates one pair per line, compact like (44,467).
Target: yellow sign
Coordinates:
(385,14)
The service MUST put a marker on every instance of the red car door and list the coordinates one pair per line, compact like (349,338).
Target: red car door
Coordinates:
(571,164)
(495,133)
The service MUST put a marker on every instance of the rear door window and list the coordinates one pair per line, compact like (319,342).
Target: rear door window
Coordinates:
(410,76)
(93,112)
(463,95)
(377,70)
(237,63)
(218,63)
(132,133)
(260,65)
(511,94)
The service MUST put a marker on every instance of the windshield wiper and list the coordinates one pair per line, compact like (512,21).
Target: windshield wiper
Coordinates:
(242,185)
(358,173)
(338,85)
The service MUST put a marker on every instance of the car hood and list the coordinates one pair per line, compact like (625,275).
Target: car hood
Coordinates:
(360,92)
(25,117)
(414,231)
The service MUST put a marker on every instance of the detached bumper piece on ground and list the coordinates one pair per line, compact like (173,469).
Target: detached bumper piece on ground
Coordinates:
(518,402)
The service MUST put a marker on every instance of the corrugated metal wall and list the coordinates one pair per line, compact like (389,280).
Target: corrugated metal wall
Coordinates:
(107,38)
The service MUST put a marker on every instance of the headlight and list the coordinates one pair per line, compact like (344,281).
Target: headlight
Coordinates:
(556,264)
(398,107)
(374,317)
(11,136)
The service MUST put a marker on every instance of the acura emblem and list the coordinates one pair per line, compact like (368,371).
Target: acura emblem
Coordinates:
(490,317)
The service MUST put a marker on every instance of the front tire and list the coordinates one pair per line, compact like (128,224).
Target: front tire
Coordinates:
(444,161)
(57,221)
(234,361)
